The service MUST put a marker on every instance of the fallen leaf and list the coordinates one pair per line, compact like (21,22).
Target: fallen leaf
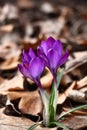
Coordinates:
(82,83)
(73,64)
(7,28)
(31,104)
(77,96)
(28,104)
(76,122)
(62,97)
(31,42)
(11,122)
(15,83)
(46,80)
(10,64)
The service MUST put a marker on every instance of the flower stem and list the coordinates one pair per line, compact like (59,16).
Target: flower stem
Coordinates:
(55,94)
(45,100)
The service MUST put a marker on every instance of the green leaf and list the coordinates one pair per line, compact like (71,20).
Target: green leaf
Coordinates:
(51,113)
(51,107)
(34,126)
(58,124)
(45,99)
(59,77)
(72,110)
(52,96)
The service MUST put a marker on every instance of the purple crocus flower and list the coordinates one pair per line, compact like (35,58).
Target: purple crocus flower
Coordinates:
(32,66)
(52,52)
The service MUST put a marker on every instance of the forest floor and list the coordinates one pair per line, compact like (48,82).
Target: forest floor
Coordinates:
(23,25)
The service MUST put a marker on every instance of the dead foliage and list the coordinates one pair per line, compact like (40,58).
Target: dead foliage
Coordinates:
(23,25)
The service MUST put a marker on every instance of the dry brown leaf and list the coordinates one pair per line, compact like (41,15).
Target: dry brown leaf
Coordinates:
(6,28)
(66,80)
(62,97)
(8,48)
(30,102)
(47,79)
(32,42)
(82,83)
(10,63)
(77,96)
(25,4)
(80,54)
(73,64)
(84,90)
(12,123)
(17,123)
(54,26)
(84,42)
(15,83)
(1,80)
(84,15)
(76,122)
(14,95)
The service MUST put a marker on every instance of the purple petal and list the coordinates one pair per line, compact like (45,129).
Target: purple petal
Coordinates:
(40,51)
(48,44)
(24,71)
(58,47)
(44,47)
(36,67)
(31,53)
(50,41)
(25,57)
(42,55)
(64,58)
(53,58)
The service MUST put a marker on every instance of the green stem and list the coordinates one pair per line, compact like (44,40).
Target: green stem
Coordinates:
(59,77)
(45,100)
(55,95)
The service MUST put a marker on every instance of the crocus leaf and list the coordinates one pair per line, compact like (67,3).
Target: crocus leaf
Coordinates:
(34,126)
(52,96)
(52,104)
(45,100)
(51,113)
(58,124)
(72,110)
(51,107)
(59,77)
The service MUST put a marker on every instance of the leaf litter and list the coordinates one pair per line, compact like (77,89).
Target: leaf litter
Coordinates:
(20,103)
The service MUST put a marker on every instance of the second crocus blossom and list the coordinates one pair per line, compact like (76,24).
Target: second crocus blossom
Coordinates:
(32,66)
(52,52)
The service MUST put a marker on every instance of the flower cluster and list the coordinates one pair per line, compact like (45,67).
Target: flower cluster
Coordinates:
(49,54)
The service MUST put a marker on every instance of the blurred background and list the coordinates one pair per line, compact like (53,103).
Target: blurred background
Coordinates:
(24,23)
(28,20)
